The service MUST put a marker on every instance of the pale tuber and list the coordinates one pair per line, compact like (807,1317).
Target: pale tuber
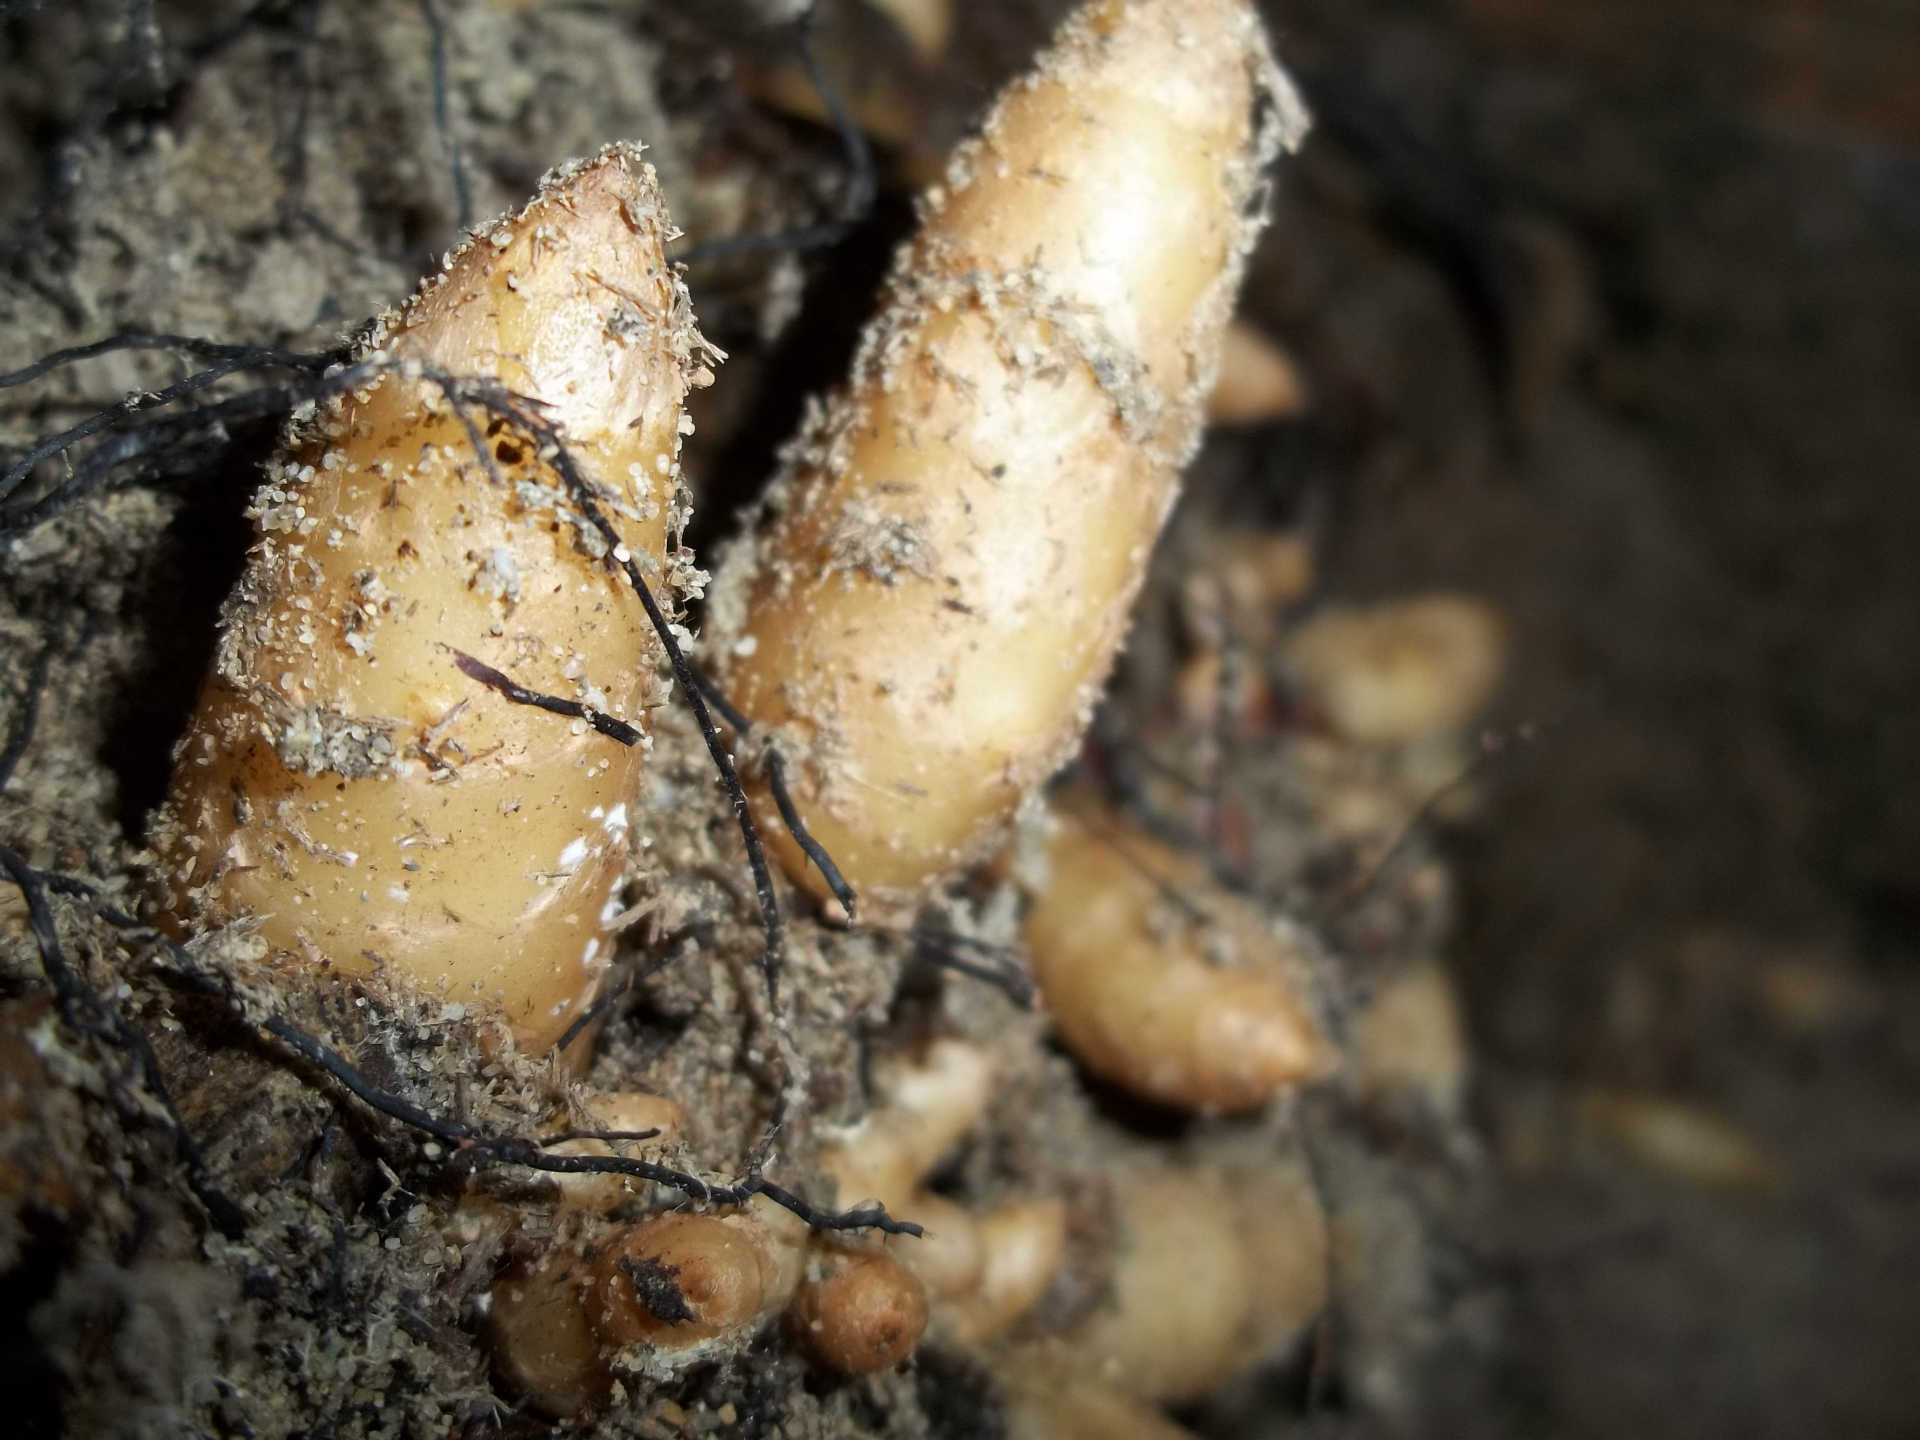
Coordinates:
(1162,981)
(865,1313)
(1411,670)
(1215,1273)
(983,1272)
(346,786)
(936,593)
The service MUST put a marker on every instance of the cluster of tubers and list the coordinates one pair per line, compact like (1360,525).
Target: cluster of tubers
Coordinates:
(919,620)
(983,1271)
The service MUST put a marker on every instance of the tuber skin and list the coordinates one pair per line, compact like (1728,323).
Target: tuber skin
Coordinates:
(647,1299)
(1045,1401)
(344,786)
(631,1112)
(1258,382)
(679,1280)
(680,1288)
(981,1272)
(1394,674)
(927,24)
(949,1257)
(1021,1248)
(543,1346)
(944,573)
(336,733)
(928,1101)
(1198,1005)
(1181,1289)
(1681,1141)
(1408,1043)
(1216,1273)
(865,1314)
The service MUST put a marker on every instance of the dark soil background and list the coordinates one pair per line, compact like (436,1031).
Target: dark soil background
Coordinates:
(1696,503)
(1611,316)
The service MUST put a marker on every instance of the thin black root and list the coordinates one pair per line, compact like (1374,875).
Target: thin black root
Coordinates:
(861,180)
(519,694)
(456,159)
(527,413)
(93,1014)
(1497,748)
(996,965)
(607,999)
(628,735)
(1117,762)
(470,1148)
(776,768)
(607,1136)
(29,716)
(148,436)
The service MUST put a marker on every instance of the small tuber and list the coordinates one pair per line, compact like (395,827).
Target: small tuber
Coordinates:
(1412,670)
(1161,981)
(864,1314)
(1216,1272)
